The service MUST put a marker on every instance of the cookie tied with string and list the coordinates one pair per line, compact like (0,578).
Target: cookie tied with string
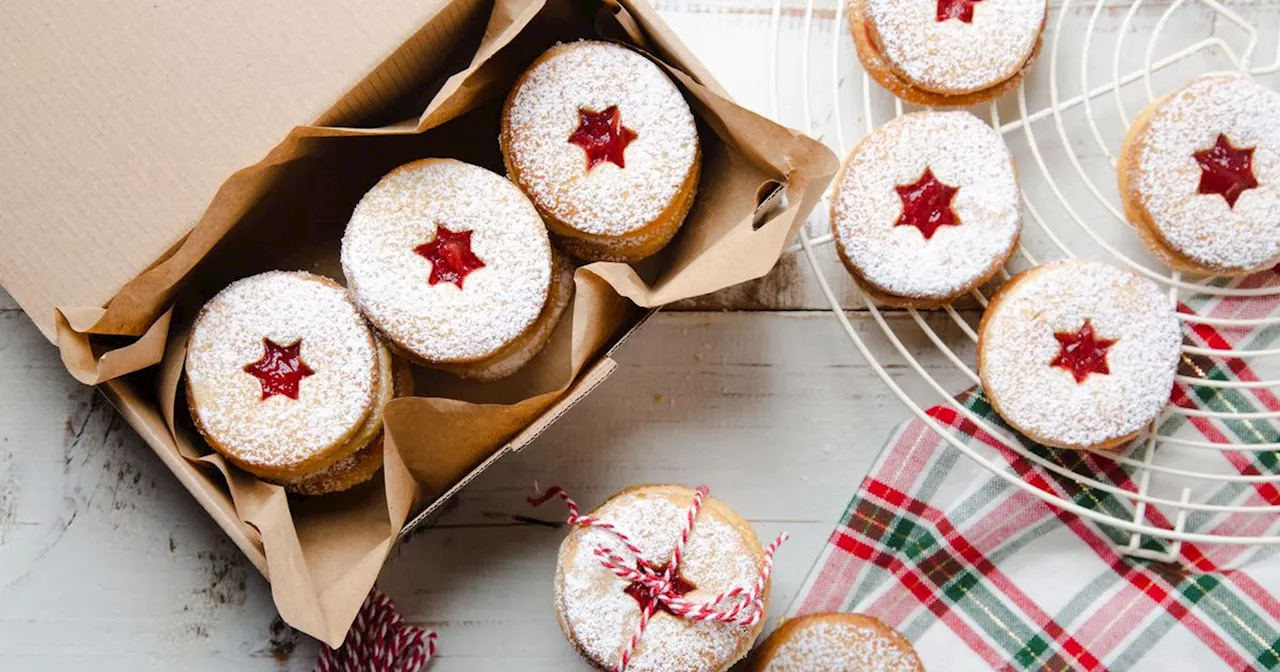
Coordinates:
(661,577)
(606,147)
(1079,354)
(947,52)
(1199,175)
(926,208)
(453,266)
(285,379)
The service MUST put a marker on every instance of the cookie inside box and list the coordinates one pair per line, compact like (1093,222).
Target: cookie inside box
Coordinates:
(429,99)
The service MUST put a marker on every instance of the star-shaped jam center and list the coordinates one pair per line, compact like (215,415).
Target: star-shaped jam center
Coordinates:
(450,256)
(1226,170)
(956,9)
(645,596)
(602,136)
(1081,352)
(926,204)
(280,369)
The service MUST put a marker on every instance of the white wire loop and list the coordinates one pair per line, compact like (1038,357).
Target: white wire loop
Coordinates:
(1066,146)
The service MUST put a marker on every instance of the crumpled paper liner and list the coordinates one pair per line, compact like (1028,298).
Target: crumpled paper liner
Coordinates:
(323,554)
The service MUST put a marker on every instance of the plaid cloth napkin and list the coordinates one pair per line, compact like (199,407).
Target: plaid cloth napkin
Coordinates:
(983,576)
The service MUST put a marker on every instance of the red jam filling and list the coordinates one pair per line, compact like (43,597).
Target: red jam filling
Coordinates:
(450,256)
(1081,352)
(1226,170)
(926,204)
(956,9)
(602,136)
(645,597)
(280,369)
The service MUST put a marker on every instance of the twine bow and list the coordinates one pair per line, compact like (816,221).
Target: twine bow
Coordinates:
(379,641)
(743,606)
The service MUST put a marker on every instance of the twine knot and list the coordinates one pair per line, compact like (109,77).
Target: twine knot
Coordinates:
(660,587)
(379,641)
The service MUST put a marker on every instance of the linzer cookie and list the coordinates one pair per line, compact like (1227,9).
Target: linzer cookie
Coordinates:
(453,266)
(947,52)
(606,147)
(926,208)
(394,380)
(836,643)
(661,577)
(1200,176)
(1079,354)
(286,380)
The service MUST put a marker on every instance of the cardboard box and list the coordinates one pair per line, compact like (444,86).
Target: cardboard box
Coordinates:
(114,232)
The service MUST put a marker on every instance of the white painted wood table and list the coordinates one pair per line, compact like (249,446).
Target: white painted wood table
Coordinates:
(106,560)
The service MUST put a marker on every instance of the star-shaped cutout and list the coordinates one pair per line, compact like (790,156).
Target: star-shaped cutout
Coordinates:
(450,256)
(602,136)
(280,369)
(644,595)
(956,9)
(1081,352)
(926,204)
(1226,170)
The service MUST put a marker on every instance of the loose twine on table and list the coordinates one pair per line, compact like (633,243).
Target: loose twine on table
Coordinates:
(738,605)
(379,641)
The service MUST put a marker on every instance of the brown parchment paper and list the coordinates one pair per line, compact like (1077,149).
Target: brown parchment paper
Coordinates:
(288,211)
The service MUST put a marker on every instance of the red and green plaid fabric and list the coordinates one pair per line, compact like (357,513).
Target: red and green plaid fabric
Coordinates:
(983,576)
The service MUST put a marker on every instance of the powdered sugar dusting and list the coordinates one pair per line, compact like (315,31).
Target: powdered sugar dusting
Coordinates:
(841,646)
(365,448)
(443,322)
(348,472)
(962,151)
(602,618)
(605,200)
(284,307)
(1017,345)
(953,56)
(1202,226)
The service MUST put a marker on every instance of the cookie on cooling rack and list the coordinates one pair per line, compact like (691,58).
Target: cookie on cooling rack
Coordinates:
(926,208)
(947,52)
(1079,354)
(835,642)
(453,266)
(285,379)
(598,611)
(1200,176)
(607,148)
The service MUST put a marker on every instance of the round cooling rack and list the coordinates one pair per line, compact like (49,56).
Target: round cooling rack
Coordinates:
(1204,472)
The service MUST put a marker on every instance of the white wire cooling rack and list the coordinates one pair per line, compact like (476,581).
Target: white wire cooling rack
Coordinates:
(1102,62)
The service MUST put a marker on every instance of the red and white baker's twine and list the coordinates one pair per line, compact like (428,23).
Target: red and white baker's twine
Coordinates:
(379,641)
(739,605)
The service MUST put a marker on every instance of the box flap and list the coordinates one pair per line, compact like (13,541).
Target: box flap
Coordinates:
(123,118)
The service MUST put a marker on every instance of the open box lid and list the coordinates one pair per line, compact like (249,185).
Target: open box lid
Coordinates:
(123,118)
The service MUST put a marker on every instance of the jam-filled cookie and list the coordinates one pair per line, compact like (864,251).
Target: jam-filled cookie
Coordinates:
(605,145)
(453,266)
(836,642)
(394,381)
(599,612)
(1079,354)
(285,379)
(926,208)
(947,52)
(1200,176)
